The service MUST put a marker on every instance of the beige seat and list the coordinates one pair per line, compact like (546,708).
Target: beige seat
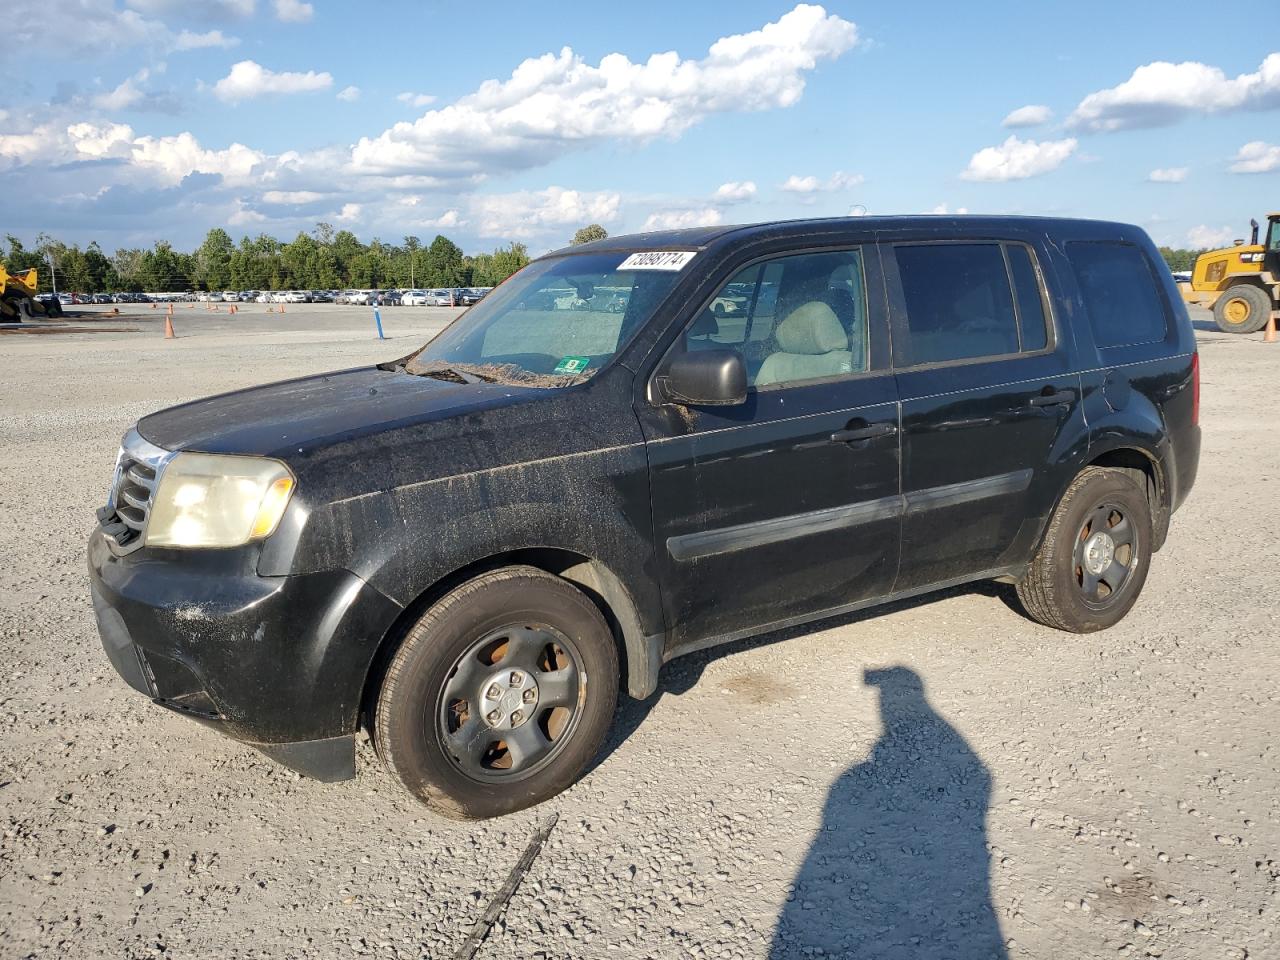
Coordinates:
(811,344)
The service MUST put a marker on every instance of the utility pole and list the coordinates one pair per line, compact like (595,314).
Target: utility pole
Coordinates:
(53,273)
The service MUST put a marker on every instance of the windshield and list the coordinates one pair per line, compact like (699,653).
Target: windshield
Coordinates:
(555,322)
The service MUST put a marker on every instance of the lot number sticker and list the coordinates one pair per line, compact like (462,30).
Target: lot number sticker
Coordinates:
(572,364)
(658,260)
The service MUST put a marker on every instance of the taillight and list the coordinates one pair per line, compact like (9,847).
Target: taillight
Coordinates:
(1195,389)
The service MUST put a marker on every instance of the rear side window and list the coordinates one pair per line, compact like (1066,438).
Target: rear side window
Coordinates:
(1120,293)
(1030,296)
(959,302)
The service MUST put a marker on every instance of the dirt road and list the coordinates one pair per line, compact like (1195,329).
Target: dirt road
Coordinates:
(939,779)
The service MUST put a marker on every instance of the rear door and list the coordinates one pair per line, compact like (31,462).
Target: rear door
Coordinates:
(788,504)
(986,385)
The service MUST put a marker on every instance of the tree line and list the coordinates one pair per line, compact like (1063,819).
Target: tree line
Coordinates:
(324,259)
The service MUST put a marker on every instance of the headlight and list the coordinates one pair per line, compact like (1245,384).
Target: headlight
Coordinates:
(208,500)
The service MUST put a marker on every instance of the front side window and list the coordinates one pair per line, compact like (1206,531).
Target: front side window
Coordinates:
(794,319)
(959,302)
(1273,236)
(1119,292)
(556,322)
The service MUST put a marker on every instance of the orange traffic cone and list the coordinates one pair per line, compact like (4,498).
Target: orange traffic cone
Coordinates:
(168,326)
(1270,335)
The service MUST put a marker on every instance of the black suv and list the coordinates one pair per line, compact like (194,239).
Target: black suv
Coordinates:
(640,447)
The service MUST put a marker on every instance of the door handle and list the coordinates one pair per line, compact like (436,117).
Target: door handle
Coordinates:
(1053,399)
(864,433)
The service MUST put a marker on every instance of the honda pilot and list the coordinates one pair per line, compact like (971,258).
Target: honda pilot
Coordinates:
(637,448)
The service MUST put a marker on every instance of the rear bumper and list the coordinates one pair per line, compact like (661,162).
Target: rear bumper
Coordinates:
(275,662)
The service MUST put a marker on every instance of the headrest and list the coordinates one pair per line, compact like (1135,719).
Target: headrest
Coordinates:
(811,328)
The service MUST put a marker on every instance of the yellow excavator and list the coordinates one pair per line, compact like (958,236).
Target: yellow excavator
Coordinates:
(1241,284)
(18,300)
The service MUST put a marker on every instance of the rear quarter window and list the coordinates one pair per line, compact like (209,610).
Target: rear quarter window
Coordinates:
(1120,294)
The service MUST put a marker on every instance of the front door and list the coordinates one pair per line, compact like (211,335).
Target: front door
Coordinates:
(788,504)
(986,388)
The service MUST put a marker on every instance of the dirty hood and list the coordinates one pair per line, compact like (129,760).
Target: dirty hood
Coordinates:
(297,416)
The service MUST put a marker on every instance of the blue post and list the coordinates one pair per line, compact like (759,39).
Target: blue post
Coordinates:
(377,318)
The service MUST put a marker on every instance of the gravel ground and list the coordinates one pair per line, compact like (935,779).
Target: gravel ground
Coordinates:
(941,778)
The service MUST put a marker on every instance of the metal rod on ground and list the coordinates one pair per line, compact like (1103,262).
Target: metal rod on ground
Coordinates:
(482,926)
(377,318)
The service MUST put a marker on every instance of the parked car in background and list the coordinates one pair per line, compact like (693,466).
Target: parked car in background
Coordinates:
(414,298)
(473,549)
(358,297)
(388,298)
(296,296)
(441,298)
(321,296)
(231,296)
(279,296)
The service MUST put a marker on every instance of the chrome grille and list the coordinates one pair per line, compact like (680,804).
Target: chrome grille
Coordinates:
(138,469)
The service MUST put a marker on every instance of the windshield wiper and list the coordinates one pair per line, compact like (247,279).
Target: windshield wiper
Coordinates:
(455,373)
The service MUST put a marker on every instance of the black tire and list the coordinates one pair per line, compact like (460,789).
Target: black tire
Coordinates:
(433,725)
(1064,587)
(1243,308)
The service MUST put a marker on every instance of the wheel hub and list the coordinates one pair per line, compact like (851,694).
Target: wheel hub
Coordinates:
(1099,551)
(508,699)
(1237,311)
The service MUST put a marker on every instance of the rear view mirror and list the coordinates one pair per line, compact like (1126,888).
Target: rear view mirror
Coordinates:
(706,378)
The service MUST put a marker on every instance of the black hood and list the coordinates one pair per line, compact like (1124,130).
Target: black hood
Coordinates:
(295,416)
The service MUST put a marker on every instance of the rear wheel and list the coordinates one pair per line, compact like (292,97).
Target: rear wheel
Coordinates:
(1244,308)
(1093,562)
(499,696)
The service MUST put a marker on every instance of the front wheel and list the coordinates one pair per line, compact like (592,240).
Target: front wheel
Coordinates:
(499,696)
(1093,562)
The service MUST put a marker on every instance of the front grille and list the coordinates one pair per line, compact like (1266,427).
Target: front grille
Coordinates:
(137,474)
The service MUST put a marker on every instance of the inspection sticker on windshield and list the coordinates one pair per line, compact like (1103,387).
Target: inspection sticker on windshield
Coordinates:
(658,260)
(572,365)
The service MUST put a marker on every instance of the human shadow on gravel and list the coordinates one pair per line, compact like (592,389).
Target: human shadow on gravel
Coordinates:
(899,868)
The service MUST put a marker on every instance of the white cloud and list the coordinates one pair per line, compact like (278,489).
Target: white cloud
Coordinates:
(1161,93)
(293,197)
(91,28)
(838,181)
(186,40)
(679,219)
(202,9)
(125,95)
(943,210)
(1032,115)
(1205,237)
(1257,157)
(173,158)
(349,212)
(294,11)
(1168,174)
(349,94)
(416,99)
(1018,159)
(558,102)
(734,192)
(450,218)
(526,213)
(244,216)
(249,79)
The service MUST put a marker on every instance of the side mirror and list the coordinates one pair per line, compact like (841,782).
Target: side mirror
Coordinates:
(706,378)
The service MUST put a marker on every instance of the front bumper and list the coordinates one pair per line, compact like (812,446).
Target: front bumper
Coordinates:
(276,662)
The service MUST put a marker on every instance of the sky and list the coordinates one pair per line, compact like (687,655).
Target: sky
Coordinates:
(132,121)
